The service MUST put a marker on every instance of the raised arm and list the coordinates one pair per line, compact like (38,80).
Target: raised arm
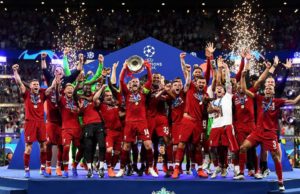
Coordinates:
(292,101)
(263,76)
(123,86)
(209,50)
(244,86)
(182,64)
(228,85)
(242,64)
(280,85)
(188,79)
(99,70)
(51,88)
(98,94)
(147,86)
(18,80)
(113,78)
(66,65)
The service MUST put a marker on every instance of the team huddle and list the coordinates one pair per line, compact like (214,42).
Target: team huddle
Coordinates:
(202,118)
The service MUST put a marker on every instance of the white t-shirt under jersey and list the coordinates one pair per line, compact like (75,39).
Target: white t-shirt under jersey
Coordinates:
(225,118)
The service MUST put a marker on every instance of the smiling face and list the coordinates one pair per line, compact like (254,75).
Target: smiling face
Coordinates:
(34,86)
(269,91)
(107,98)
(200,84)
(156,79)
(197,73)
(220,92)
(69,90)
(135,84)
(87,90)
(176,87)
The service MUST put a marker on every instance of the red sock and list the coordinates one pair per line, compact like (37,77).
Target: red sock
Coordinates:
(78,157)
(150,157)
(65,155)
(242,161)
(198,158)
(66,166)
(43,157)
(278,168)
(179,155)
(108,158)
(26,160)
(169,153)
(124,158)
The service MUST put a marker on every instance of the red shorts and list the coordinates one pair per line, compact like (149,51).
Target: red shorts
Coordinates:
(223,136)
(191,129)
(175,132)
(34,131)
(53,133)
(136,128)
(241,136)
(114,139)
(73,135)
(159,125)
(268,140)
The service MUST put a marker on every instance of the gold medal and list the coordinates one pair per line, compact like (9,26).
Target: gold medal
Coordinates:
(35,106)
(136,103)
(242,106)
(200,102)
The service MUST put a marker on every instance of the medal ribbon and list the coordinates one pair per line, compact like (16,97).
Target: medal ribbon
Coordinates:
(266,108)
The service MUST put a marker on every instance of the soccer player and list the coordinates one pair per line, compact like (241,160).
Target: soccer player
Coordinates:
(191,126)
(111,115)
(34,127)
(158,121)
(268,110)
(222,134)
(136,121)
(244,117)
(93,130)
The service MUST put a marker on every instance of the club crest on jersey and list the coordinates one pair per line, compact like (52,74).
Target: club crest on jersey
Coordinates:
(177,102)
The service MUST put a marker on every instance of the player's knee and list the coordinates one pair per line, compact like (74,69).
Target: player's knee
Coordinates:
(243,148)
(148,144)
(109,150)
(181,145)
(126,146)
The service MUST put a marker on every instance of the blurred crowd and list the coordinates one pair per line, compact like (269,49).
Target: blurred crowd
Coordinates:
(30,29)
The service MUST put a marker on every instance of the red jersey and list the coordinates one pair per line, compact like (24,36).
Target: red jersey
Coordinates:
(110,116)
(90,113)
(156,106)
(135,102)
(135,106)
(268,112)
(244,110)
(68,115)
(177,107)
(53,114)
(194,102)
(34,105)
